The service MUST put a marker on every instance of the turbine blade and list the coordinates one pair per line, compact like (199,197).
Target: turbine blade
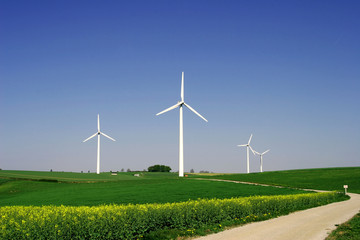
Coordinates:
(90,137)
(243,145)
(182,87)
(265,152)
(188,106)
(107,136)
(257,152)
(98,123)
(250,139)
(170,108)
(253,151)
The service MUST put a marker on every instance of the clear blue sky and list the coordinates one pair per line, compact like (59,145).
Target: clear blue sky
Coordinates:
(286,71)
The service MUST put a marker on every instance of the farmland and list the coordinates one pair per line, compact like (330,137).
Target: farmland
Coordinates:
(331,179)
(91,206)
(75,189)
(136,221)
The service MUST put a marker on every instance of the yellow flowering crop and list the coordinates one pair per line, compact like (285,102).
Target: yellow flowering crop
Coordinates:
(133,221)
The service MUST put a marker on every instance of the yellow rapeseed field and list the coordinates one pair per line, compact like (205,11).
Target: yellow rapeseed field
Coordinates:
(133,221)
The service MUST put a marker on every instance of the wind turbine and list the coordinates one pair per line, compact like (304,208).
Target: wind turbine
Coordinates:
(261,160)
(247,152)
(180,104)
(98,145)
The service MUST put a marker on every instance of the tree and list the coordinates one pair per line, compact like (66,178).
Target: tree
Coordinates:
(128,170)
(159,168)
(192,171)
(122,170)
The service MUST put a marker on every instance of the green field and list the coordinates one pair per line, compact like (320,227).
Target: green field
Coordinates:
(349,230)
(79,177)
(180,201)
(320,179)
(89,189)
(76,189)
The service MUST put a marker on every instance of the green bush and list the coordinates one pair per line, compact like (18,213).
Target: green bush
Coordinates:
(159,168)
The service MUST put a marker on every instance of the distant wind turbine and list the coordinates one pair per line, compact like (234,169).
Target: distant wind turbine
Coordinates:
(180,104)
(261,158)
(98,145)
(247,152)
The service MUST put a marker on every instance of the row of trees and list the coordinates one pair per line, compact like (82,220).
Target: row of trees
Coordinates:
(155,168)
(163,168)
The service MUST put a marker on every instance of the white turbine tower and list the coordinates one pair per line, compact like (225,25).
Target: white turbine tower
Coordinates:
(98,145)
(181,130)
(247,152)
(261,158)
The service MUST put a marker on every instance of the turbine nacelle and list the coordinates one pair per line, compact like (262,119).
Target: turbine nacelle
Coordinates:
(182,103)
(261,154)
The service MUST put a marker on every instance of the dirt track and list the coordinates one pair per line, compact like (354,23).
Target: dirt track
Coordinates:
(311,224)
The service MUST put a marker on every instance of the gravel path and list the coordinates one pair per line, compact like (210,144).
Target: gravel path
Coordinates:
(311,224)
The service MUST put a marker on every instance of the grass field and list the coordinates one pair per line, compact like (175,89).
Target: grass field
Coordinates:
(347,231)
(26,188)
(321,179)
(89,189)
(76,190)
(80,177)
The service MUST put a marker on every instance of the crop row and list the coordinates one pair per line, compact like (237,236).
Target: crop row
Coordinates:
(133,221)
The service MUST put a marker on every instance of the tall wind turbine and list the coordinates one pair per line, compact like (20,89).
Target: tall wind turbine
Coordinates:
(247,152)
(180,104)
(261,158)
(98,145)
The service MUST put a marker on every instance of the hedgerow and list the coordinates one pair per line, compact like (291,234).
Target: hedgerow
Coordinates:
(133,221)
